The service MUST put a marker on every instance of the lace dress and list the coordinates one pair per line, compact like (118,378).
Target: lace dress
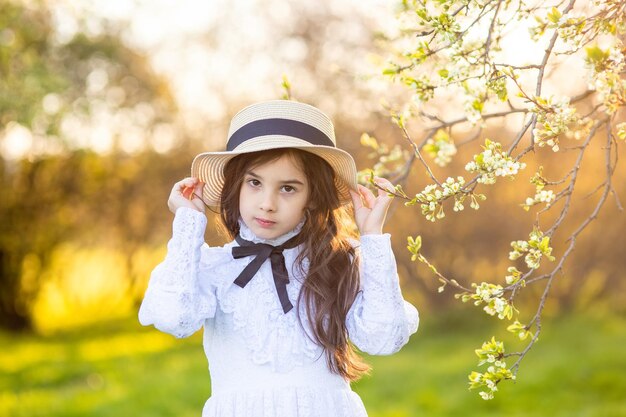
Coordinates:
(263,362)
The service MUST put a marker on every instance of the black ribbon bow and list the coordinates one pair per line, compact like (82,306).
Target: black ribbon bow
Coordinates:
(262,252)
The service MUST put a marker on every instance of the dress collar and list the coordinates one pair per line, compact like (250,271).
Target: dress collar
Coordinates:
(247,234)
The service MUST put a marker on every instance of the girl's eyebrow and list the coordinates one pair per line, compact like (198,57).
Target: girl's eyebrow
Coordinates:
(290,181)
(298,182)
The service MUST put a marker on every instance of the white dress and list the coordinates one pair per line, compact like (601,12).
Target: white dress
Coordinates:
(262,361)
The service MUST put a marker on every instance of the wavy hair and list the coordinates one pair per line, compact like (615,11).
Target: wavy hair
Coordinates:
(332,280)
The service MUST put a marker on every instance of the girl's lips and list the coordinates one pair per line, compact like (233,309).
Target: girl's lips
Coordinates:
(264,223)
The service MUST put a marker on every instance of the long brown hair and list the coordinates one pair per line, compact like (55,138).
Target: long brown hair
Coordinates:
(332,281)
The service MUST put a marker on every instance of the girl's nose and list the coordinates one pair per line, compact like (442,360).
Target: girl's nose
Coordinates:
(268,202)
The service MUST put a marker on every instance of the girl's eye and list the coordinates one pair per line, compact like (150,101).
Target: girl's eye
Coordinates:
(254,182)
(288,189)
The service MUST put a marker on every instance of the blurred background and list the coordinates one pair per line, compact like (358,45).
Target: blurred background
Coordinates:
(103,105)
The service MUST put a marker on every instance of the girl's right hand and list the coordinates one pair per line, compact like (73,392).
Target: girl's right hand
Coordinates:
(192,189)
(370,211)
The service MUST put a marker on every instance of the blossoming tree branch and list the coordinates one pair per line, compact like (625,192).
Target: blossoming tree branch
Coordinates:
(454,49)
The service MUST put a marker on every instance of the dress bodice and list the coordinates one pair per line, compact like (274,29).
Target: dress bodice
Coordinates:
(259,356)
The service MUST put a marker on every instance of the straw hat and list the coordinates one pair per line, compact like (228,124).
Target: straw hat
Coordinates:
(271,125)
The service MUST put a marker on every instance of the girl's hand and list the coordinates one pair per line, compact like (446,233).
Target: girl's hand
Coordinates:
(186,193)
(370,211)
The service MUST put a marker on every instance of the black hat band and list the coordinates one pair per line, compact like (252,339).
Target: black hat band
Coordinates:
(285,127)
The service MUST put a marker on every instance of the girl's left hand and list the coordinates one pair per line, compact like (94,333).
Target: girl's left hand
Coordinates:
(370,211)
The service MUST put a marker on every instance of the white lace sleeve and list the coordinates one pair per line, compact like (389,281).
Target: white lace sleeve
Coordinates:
(380,321)
(174,302)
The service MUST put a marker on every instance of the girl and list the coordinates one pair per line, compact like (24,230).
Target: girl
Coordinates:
(282,304)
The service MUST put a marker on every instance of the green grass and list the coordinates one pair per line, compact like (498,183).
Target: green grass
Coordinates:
(578,369)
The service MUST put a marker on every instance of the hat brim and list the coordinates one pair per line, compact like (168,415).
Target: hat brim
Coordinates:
(208,167)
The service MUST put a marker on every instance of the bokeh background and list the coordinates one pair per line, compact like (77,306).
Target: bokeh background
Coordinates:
(103,105)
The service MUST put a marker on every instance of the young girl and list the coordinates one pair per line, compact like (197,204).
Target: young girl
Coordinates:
(282,304)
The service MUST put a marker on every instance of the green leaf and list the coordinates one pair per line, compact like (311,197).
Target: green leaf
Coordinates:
(544,245)
(596,55)
(554,15)
(414,245)
(478,105)
(423,14)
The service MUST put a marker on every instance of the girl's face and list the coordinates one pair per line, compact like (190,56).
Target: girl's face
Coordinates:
(273,197)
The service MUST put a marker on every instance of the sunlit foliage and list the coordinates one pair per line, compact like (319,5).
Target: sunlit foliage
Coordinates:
(458,61)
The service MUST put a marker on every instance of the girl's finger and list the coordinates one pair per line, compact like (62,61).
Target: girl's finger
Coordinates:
(356,200)
(189,181)
(186,187)
(382,205)
(187,192)
(367,195)
(198,188)
(385,184)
